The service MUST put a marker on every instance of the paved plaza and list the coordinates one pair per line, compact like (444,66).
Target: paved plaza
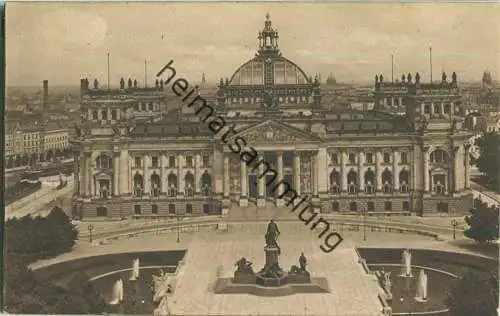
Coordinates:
(212,255)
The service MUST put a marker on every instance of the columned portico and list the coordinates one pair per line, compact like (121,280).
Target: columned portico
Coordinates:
(296,172)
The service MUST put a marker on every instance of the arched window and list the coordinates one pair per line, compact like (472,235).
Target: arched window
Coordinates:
(439,184)
(155,184)
(334,182)
(403,181)
(103,162)
(352,180)
(353,207)
(138,184)
(189,188)
(369,181)
(172,184)
(206,184)
(387,181)
(439,156)
(335,206)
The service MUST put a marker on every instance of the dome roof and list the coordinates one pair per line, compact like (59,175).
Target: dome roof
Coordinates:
(284,72)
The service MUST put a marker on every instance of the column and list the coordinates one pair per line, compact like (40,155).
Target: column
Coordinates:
(361,178)
(426,170)
(378,163)
(467,166)
(322,166)
(197,174)
(261,187)
(146,177)
(314,174)
(91,179)
(343,170)
(116,174)
(162,173)
(442,108)
(180,175)
(296,171)
(280,188)
(400,101)
(243,184)
(456,171)
(395,171)
(422,109)
(125,181)
(226,176)
(86,173)
(76,183)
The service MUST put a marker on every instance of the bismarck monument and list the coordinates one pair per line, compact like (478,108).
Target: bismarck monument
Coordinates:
(271,280)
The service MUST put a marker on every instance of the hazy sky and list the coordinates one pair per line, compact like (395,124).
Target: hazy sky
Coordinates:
(65,42)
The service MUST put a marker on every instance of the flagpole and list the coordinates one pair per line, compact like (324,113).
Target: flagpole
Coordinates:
(430,60)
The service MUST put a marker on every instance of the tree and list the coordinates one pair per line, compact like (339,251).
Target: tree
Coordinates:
(483,223)
(476,293)
(489,162)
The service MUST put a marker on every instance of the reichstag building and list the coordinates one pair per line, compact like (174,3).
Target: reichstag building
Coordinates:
(136,156)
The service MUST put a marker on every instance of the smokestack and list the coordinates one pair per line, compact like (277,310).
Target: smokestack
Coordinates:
(45,94)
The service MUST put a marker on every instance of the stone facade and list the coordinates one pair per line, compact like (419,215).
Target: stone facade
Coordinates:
(167,164)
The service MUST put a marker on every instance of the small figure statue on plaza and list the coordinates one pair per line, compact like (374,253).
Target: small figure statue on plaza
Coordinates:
(302,262)
(272,234)
(244,266)
(387,281)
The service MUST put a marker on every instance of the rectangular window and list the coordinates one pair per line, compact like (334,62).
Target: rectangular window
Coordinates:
(352,159)
(137,162)
(388,206)
(154,162)
(404,158)
(427,109)
(113,115)
(370,206)
(335,159)
(104,115)
(171,209)
(154,208)
(151,107)
(206,161)
(189,162)
(387,158)
(369,158)
(137,209)
(171,161)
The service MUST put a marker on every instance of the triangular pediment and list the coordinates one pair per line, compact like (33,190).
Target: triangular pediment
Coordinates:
(273,131)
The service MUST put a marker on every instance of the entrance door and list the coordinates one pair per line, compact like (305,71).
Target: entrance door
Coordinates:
(270,186)
(206,209)
(288,179)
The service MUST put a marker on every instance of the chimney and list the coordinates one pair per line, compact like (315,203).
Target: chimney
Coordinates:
(45,94)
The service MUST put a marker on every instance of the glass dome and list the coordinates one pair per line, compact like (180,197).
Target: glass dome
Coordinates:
(285,72)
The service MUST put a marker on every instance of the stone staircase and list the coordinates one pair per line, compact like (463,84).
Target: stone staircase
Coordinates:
(254,213)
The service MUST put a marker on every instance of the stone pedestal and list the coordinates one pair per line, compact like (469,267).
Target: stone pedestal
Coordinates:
(261,202)
(272,255)
(243,202)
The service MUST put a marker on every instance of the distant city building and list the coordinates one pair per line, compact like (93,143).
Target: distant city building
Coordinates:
(35,142)
(169,163)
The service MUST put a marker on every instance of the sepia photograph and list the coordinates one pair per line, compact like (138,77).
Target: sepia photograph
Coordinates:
(251,158)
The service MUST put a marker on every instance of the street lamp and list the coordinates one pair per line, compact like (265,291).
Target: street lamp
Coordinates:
(454,223)
(90,228)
